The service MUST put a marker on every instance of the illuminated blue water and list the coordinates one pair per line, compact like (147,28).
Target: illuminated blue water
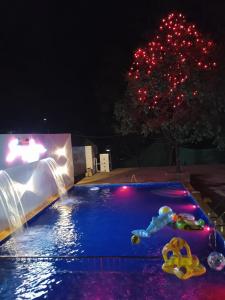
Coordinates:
(95,225)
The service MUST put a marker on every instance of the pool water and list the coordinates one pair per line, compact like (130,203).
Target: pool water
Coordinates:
(80,248)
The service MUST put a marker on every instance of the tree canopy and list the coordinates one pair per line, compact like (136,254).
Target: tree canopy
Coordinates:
(172,86)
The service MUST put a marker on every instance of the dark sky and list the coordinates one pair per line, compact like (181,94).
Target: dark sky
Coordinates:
(67,60)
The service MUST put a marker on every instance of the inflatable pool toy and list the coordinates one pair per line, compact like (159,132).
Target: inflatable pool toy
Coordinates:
(216,261)
(187,216)
(182,221)
(187,222)
(135,239)
(166,216)
(182,266)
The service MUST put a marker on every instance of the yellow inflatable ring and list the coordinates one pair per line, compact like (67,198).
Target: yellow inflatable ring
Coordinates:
(182,266)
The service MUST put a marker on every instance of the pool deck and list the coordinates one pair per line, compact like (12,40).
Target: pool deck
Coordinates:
(145,174)
(205,182)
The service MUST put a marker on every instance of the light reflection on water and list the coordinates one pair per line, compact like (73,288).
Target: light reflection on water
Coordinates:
(64,231)
(105,194)
(170,193)
(35,278)
(61,238)
(37,240)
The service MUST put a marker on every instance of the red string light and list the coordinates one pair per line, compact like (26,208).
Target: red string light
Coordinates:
(177,49)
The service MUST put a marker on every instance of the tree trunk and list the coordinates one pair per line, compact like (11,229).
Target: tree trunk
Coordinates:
(177,154)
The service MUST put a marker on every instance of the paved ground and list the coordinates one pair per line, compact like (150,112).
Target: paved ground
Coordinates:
(208,179)
(125,175)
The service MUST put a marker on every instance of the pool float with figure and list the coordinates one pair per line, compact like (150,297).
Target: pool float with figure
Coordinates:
(167,217)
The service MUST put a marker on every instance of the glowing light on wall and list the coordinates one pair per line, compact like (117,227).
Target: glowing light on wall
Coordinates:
(60,152)
(27,150)
(25,187)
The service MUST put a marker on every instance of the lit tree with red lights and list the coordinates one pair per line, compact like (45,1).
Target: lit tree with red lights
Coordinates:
(169,86)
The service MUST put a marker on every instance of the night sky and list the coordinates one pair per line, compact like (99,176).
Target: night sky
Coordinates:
(67,60)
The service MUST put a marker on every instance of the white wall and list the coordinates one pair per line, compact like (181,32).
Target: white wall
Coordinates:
(104,162)
(90,154)
(34,181)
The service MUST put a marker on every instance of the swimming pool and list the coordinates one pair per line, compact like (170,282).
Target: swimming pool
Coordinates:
(94,226)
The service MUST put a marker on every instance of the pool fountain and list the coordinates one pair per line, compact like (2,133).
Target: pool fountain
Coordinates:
(57,175)
(14,204)
(11,202)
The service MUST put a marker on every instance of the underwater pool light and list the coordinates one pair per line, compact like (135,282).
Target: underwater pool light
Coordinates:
(94,188)
(207,228)
(195,206)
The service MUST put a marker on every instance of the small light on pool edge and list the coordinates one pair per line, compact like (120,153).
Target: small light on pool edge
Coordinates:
(124,187)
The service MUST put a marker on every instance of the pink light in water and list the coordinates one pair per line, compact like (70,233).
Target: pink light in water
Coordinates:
(188,207)
(173,193)
(124,191)
(195,206)
(27,152)
(207,228)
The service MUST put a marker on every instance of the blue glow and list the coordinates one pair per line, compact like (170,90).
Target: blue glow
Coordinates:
(100,224)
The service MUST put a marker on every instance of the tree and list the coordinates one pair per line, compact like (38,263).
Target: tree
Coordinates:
(168,87)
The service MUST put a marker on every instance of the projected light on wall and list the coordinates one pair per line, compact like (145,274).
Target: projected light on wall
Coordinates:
(25,149)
